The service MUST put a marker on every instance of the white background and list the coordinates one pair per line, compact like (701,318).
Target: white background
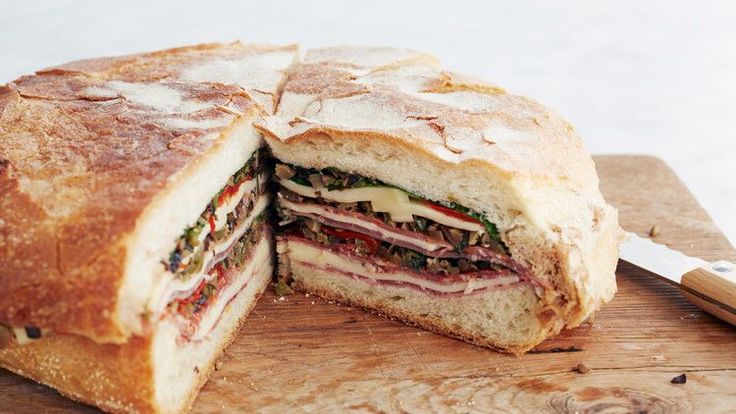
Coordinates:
(654,77)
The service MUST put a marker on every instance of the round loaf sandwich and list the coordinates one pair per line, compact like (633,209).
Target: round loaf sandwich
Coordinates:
(136,216)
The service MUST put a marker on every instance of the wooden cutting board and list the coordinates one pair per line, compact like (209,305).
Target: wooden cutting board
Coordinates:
(305,354)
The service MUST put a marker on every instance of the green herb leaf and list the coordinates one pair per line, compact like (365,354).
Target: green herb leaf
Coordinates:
(282,289)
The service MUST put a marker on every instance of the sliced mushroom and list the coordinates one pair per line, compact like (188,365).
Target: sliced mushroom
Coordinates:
(284,171)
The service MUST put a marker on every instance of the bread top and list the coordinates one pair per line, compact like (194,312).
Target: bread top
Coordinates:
(84,149)
(406,95)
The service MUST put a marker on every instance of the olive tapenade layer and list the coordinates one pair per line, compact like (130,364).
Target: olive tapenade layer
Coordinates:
(207,289)
(368,247)
(189,246)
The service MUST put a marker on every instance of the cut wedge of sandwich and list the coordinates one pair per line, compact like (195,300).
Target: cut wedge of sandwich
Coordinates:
(437,199)
(134,236)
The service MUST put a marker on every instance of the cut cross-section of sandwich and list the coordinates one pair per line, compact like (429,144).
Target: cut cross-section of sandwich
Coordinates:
(437,199)
(134,237)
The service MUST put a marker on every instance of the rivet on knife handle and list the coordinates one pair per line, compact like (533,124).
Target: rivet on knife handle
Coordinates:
(713,288)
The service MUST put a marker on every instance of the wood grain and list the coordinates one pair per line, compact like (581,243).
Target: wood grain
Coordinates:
(304,354)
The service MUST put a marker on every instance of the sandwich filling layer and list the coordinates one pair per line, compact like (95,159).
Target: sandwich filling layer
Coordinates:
(208,265)
(198,313)
(367,229)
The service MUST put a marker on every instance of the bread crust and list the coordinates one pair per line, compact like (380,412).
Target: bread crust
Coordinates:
(112,377)
(85,149)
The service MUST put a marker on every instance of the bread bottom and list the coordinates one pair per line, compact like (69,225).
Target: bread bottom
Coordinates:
(505,319)
(156,373)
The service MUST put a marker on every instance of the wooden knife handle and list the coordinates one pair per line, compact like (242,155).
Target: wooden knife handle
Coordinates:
(713,289)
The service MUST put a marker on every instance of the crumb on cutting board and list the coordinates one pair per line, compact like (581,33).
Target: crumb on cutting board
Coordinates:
(582,368)
(654,231)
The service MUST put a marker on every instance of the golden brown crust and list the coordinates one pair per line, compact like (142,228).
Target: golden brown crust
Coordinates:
(84,148)
(115,378)
(254,68)
(112,377)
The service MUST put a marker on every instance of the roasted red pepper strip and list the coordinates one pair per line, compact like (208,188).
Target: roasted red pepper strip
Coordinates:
(193,297)
(371,243)
(212,223)
(452,213)
(231,191)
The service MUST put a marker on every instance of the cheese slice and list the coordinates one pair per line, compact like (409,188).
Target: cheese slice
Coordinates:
(21,336)
(389,200)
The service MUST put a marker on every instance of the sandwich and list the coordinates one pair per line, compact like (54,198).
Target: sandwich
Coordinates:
(436,199)
(134,236)
(138,193)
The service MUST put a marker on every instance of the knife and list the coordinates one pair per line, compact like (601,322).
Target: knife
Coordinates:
(711,286)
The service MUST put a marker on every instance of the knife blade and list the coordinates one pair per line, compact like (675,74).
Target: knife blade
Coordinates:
(709,285)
